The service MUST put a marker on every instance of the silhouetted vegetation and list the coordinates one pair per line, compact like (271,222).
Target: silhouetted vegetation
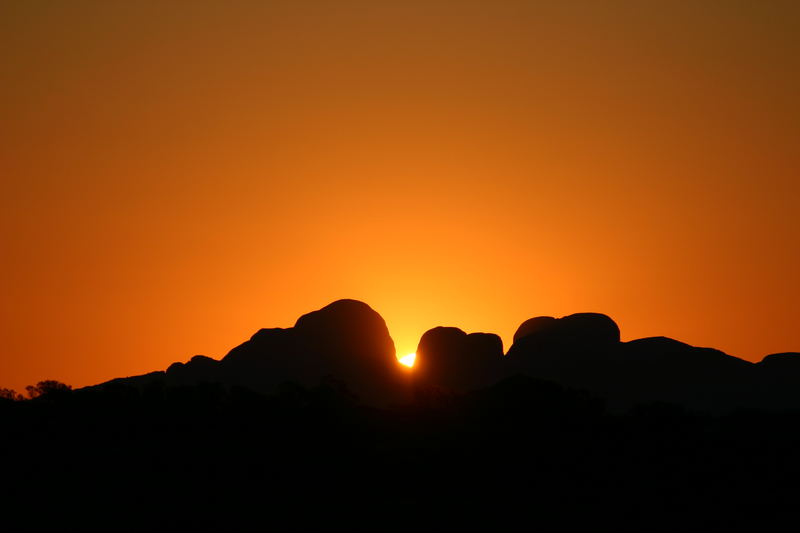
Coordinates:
(210,457)
(47,388)
(10,395)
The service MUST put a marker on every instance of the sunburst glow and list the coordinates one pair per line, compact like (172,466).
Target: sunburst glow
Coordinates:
(408,360)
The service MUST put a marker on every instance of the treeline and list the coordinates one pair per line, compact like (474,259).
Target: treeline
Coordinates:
(524,453)
(48,386)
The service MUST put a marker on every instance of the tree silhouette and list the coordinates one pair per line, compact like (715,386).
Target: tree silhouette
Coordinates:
(10,394)
(46,388)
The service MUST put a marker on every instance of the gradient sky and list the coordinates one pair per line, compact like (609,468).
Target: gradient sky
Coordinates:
(176,175)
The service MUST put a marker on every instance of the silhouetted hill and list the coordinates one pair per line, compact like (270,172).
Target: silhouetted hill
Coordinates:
(349,342)
(584,350)
(450,360)
(788,361)
(199,369)
(779,381)
(345,340)
(310,428)
(581,330)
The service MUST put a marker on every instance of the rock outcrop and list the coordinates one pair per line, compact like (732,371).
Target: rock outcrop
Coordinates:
(450,359)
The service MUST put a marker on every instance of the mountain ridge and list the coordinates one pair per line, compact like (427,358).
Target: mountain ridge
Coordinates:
(349,341)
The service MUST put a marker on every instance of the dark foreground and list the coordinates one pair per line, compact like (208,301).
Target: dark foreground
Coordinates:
(524,454)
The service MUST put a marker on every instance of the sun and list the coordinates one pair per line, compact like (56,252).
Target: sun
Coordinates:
(408,360)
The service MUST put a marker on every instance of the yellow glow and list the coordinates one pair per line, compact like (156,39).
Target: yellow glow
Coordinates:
(408,360)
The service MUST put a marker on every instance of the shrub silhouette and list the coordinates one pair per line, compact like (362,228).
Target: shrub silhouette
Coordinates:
(10,394)
(46,388)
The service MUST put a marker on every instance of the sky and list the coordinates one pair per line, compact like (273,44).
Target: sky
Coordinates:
(176,175)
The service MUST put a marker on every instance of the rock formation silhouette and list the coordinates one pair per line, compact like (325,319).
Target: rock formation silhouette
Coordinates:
(781,362)
(584,351)
(450,359)
(573,428)
(347,341)
(593,330)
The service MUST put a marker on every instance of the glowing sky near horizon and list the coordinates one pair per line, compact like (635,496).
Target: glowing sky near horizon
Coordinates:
(176,175)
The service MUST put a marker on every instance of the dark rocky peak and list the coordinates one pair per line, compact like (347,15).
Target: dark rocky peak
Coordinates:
(345,340)
(347,327)
(449,358)
(535,326)
(199,369)
(264,346)
(781,361)
(574,331)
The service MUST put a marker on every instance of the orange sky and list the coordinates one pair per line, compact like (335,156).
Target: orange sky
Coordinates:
(175,175)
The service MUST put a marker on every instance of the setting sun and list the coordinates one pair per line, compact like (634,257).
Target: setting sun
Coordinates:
(408,360)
